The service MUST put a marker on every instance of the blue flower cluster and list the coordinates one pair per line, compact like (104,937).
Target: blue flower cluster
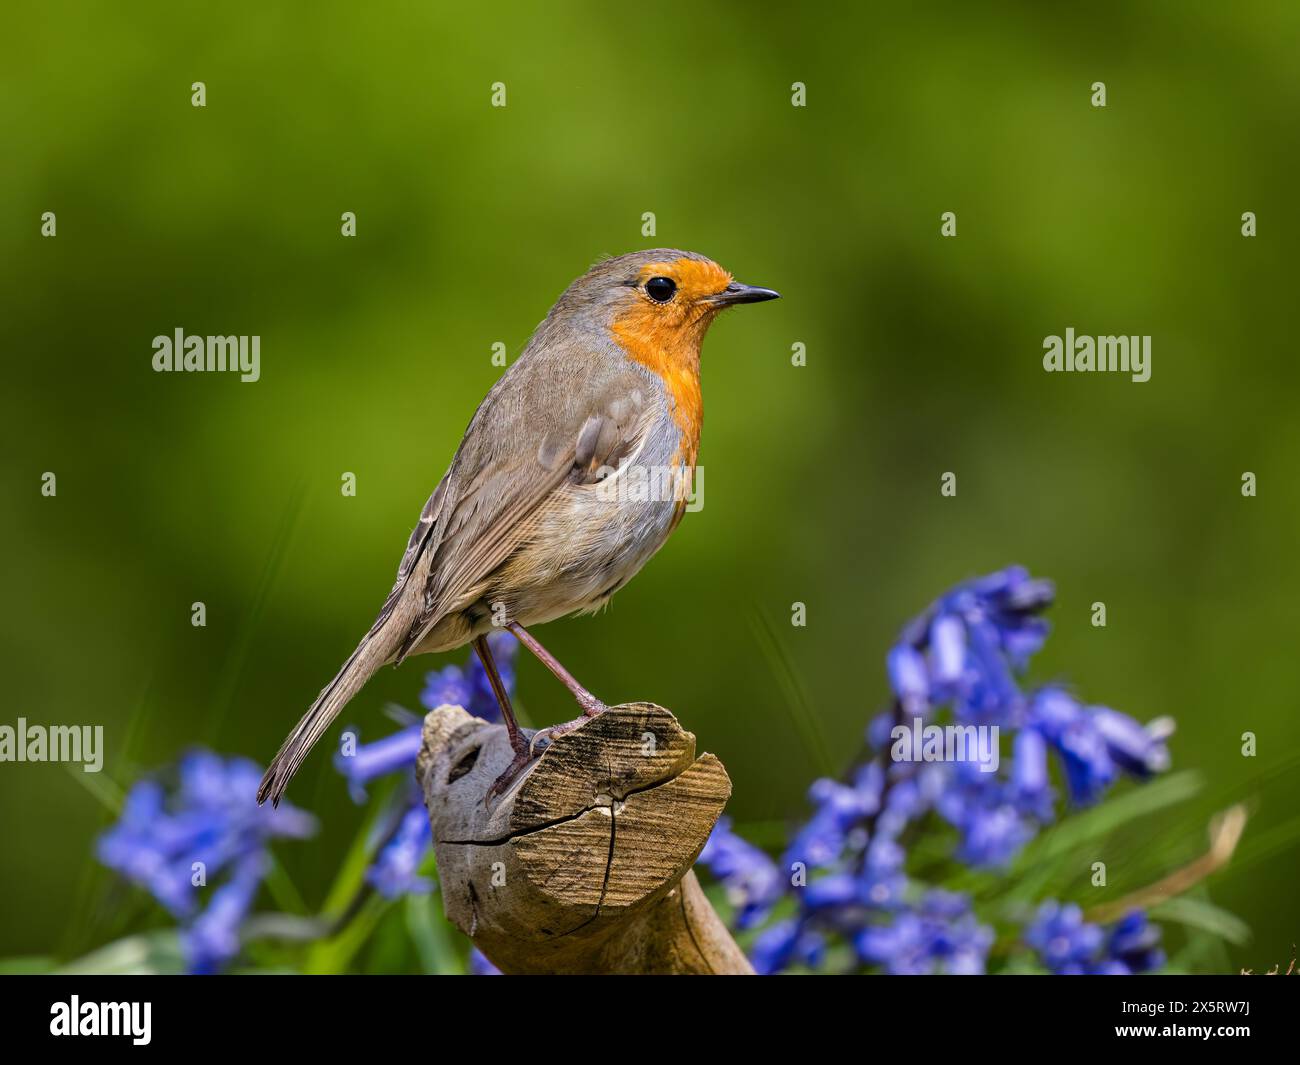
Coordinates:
(846,865)
(395,871)
(1070,946)
(752,879)
(207,831)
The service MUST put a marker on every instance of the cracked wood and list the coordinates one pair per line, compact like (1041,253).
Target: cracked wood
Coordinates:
(584,864)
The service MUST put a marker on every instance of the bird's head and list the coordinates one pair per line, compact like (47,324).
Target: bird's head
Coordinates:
(658,304)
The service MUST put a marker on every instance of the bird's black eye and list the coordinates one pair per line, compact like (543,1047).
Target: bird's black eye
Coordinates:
(660,289)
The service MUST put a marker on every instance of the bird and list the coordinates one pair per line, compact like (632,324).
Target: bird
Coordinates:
(538,515)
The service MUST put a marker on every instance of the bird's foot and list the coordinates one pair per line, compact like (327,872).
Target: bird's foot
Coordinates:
(530,750)
(543,738)
(523,758)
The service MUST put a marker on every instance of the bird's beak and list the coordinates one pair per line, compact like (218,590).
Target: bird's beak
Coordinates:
(738,293)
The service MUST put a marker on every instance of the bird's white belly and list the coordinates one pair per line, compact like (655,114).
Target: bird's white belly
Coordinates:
(591,539)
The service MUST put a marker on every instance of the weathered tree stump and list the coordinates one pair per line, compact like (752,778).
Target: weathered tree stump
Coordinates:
(584,864)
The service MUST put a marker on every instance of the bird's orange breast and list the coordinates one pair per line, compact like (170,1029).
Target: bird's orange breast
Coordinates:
(673,359)
(667,339)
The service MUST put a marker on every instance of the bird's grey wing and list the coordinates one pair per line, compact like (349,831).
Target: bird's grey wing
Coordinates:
(415,546)
(513,458)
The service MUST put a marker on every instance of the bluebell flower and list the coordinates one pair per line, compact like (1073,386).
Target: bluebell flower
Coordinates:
(964,658)
(992,828)
(1134,944)
(1065,942)
(1096,743)
(1070,946)
(751,879)
(948,652)
(479,965)
(394,753)
(773,950)
(939,935)
(210,817)
(1137,749)
(1066,724)
(990,694)
(213,938)
(914,790)
(837,810)
(143,847)
(908,675)
(840,902)
(831,892)
(396,871)
(784,944)
(1030,790)
(449,686)
(967,646)
(881,882)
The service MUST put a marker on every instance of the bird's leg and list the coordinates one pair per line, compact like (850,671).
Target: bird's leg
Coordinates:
(591,706)
(517,740)
(521,746)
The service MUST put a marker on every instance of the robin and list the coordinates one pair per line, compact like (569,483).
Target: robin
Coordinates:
(533,521)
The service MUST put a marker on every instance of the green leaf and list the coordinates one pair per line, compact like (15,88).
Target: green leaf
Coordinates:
(433,937)
(150,953)
(351,876)
(1078,828)
(282,889)
(104,791)
(334,955)
(1197,913)
(1204,953)
(1048,865)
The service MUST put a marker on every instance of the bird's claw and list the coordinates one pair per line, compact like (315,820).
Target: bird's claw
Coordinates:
(522,759)
(543,738)
(537,745)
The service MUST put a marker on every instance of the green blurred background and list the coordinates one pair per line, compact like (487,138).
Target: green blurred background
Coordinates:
(822,482)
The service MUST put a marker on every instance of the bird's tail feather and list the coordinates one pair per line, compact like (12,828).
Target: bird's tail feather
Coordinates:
(370,654)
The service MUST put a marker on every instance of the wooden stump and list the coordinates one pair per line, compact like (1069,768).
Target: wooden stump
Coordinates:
(584,864)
